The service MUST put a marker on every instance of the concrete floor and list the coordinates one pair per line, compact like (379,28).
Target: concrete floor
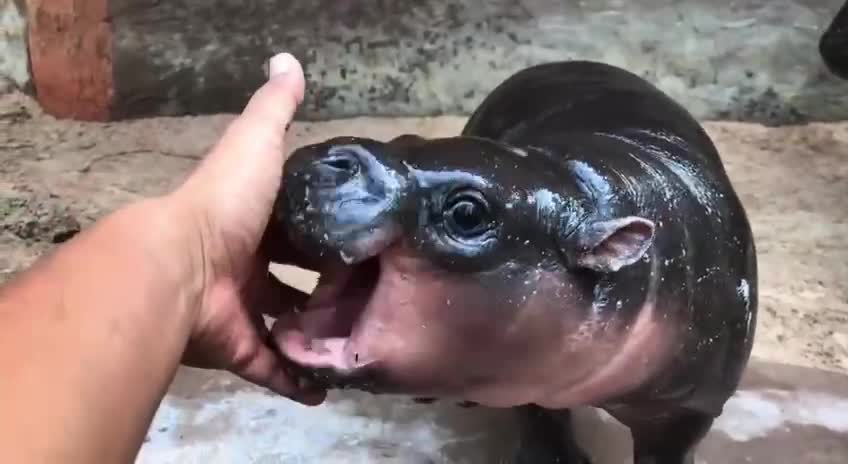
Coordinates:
(781,414)
(793,407)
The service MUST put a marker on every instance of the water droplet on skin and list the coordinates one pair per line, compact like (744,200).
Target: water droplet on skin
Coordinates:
(448,302)
(346,257)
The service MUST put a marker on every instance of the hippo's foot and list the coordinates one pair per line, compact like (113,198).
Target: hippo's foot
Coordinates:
(547,437)
(669,440)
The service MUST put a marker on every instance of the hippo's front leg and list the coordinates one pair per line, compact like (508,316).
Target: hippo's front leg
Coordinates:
(547,437)
(670,439)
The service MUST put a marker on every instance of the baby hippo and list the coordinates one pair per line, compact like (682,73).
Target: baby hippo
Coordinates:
(580,243)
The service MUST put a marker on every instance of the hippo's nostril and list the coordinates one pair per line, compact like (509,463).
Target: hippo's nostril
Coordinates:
(342,161)
(336,168)
(342,164)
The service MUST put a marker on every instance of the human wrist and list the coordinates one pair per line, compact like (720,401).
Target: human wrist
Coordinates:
(173,244)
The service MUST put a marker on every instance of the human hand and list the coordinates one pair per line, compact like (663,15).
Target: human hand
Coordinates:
(227,202)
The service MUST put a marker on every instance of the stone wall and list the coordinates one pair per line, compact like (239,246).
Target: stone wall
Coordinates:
(14,69)
(750,60)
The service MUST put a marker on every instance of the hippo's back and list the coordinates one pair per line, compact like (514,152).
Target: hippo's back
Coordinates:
(550,100)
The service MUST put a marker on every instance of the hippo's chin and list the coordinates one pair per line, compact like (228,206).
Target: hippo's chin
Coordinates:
(321,337)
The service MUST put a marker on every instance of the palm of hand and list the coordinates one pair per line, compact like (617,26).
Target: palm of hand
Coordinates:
(232,194)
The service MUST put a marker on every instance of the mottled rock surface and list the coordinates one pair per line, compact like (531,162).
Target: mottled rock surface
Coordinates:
(751,60)
(14,69)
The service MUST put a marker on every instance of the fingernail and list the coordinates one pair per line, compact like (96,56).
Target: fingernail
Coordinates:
(281,63)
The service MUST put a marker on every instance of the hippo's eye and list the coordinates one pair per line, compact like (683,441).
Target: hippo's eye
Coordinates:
(467,215)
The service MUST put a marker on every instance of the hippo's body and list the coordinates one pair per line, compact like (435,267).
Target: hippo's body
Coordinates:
(579,244)
(833,44)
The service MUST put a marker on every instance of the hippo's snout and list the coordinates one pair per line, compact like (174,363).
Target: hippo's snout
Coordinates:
(344,173)
(343,197)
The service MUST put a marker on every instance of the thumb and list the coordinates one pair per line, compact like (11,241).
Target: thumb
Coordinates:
(254,140)
(274,104)
(240,177)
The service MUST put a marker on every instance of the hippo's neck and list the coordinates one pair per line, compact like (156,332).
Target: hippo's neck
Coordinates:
(643,347)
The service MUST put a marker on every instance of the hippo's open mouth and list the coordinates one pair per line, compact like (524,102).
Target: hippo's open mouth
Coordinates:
(341,209)
(321,336)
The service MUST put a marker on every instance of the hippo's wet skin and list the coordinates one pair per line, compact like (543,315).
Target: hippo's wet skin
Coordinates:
(578,244)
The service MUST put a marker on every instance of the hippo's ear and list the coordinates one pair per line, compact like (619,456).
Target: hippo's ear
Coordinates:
(607,246)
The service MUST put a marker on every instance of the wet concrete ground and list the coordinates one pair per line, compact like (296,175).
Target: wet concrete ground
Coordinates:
(781,414)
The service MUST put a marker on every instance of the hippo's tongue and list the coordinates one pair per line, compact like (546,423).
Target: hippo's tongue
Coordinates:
(318,336)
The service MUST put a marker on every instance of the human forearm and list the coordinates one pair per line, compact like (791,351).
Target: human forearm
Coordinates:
(98,330)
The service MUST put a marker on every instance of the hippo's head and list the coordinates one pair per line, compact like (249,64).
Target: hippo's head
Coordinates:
(455,268)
